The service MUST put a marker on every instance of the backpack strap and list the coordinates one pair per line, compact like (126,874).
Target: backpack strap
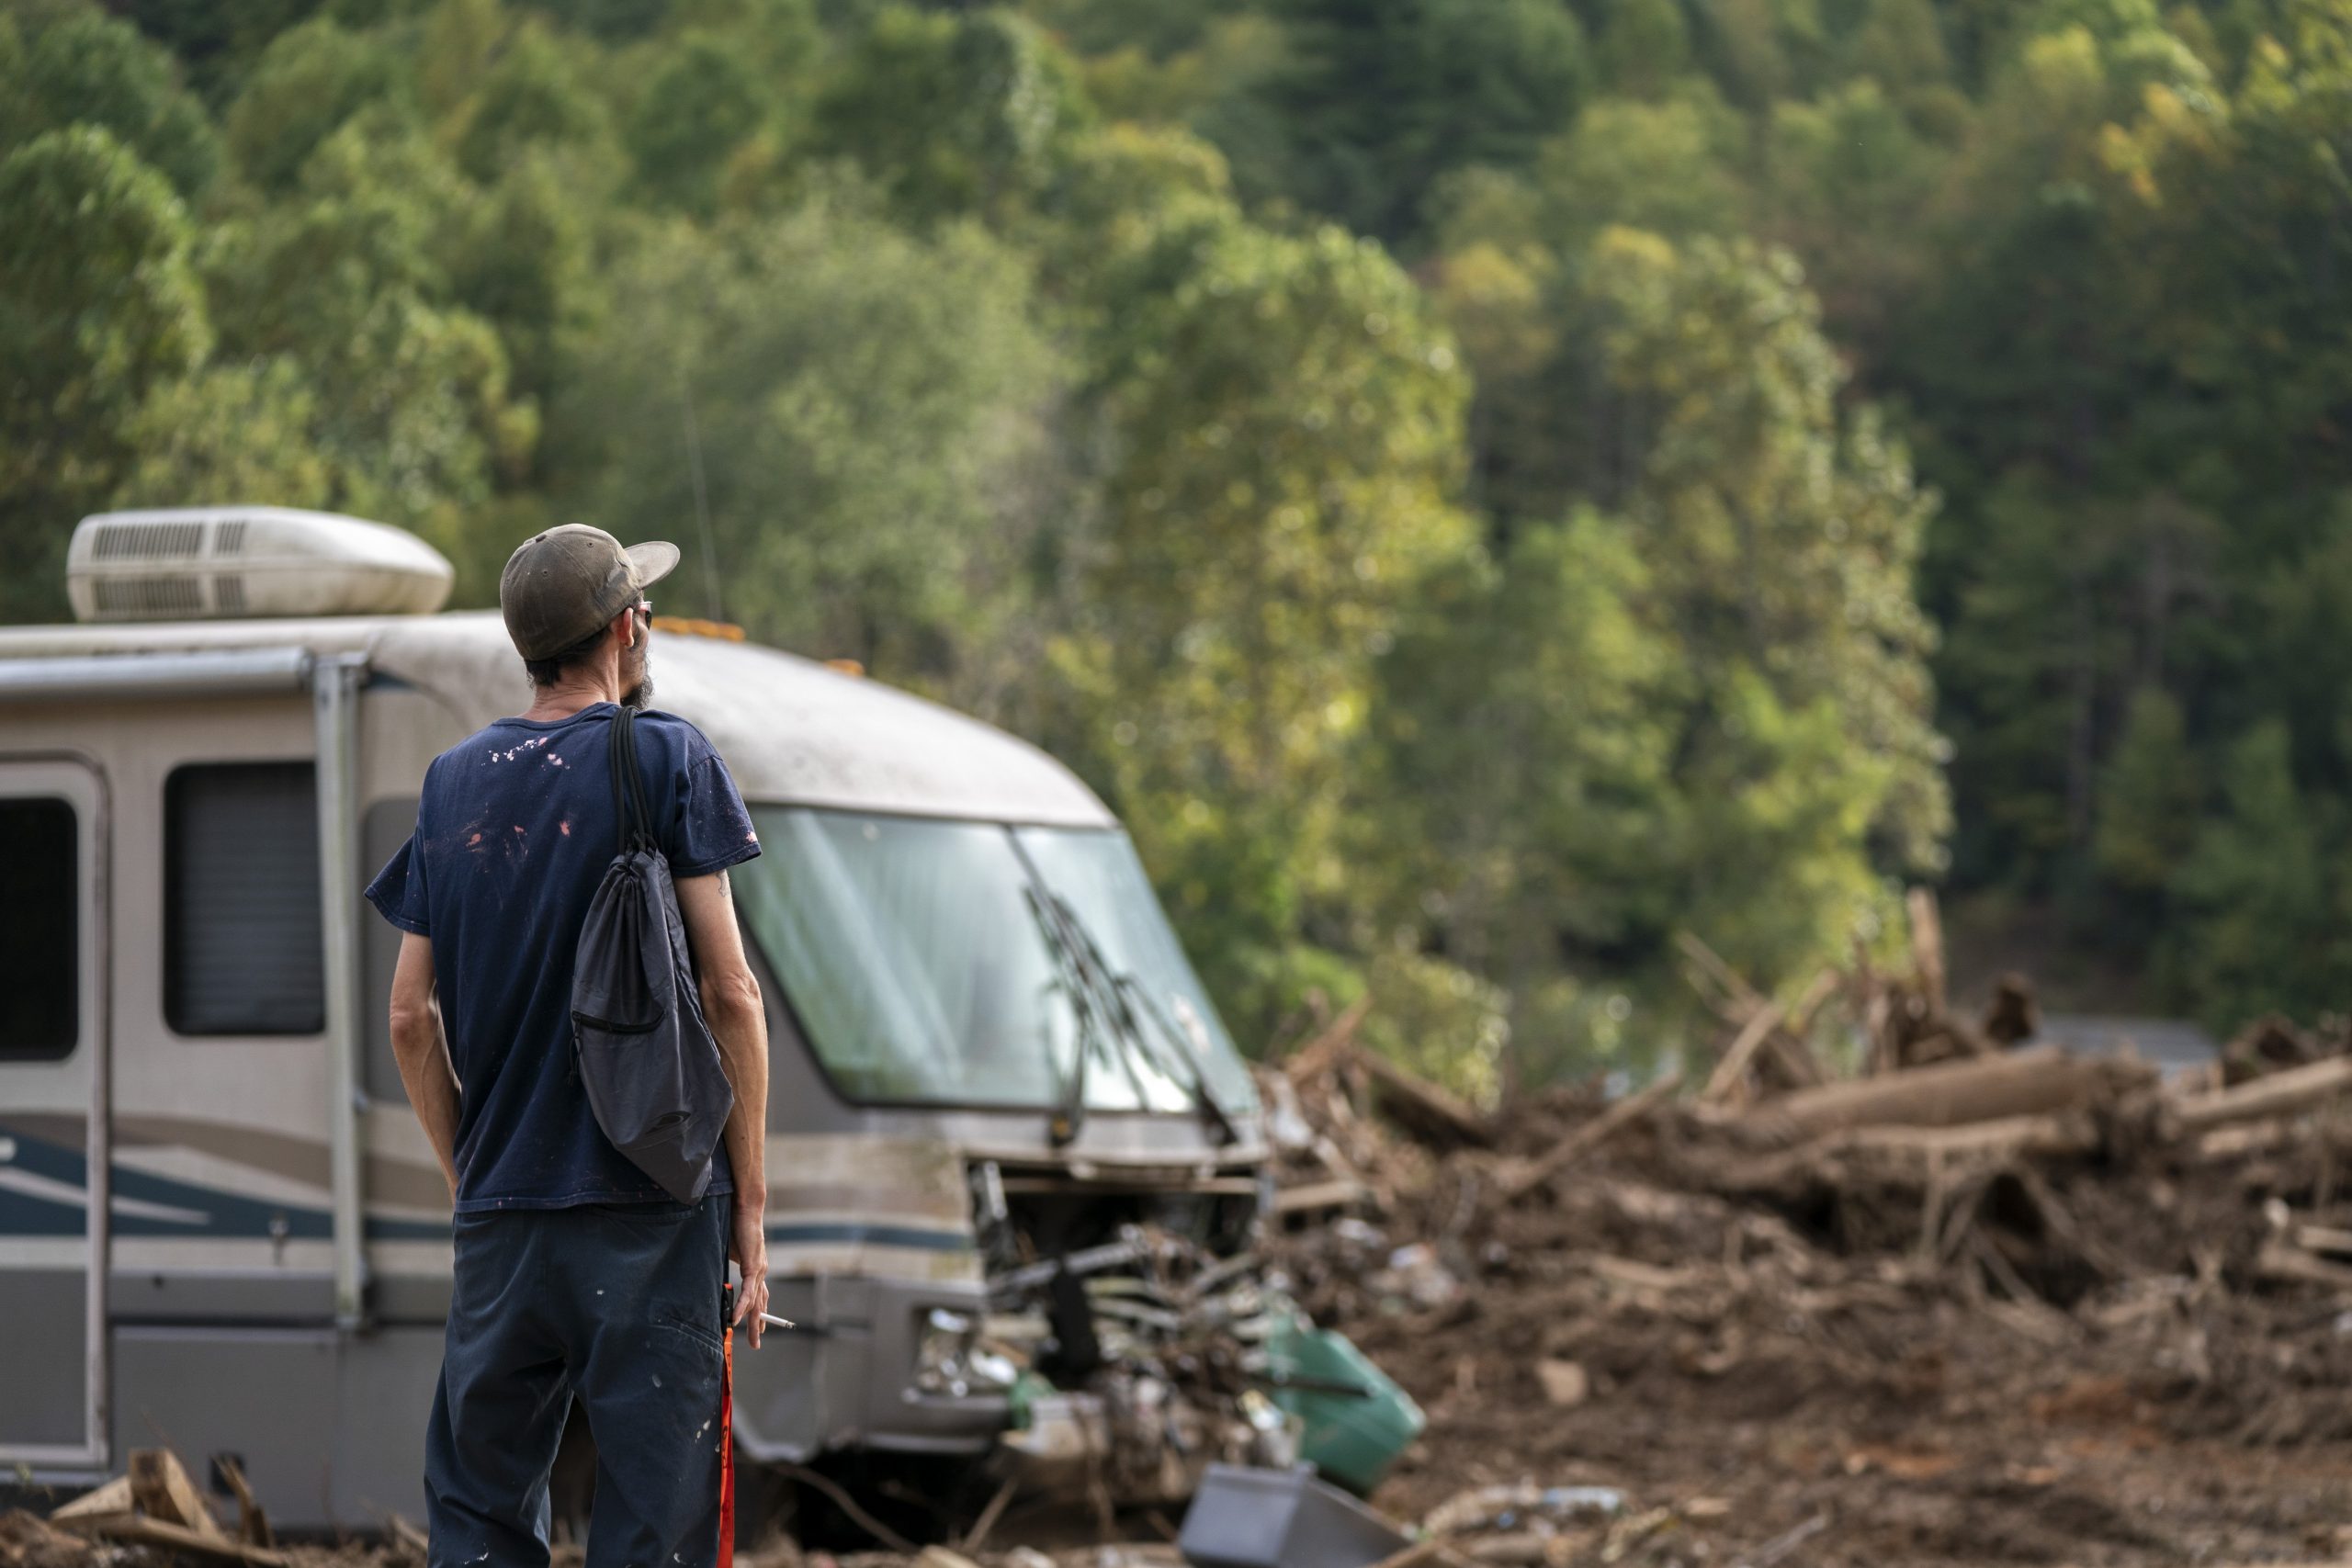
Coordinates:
(628,785)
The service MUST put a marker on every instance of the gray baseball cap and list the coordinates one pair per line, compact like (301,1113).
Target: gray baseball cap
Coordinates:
(561,585)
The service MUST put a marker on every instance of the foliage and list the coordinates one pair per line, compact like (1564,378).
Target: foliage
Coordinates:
(951,114)
(1381,98)
(75,66)
(865,407)
(98,304)
(1480,485)
(1283,419)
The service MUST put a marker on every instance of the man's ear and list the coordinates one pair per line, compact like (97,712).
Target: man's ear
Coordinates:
(624,628)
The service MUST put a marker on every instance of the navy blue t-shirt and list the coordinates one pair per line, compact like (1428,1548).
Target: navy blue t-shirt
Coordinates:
(514,832)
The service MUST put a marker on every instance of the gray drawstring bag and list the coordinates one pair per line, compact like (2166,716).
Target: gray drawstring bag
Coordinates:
(645,1054)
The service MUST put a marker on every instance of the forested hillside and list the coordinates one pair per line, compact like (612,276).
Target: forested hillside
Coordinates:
(1481,485)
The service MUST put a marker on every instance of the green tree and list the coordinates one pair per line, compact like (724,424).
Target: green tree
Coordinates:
(704,102)
(1666,167)
(2263,924)
(1849,180)
(348,279)
(1285,420)
(952,114)
(224,437)
(308,83)
(531,99)
(2149,796)
(98,305)
(1381,98)
(1900,47)
(868,409)
(1787,533)
(1524,731)
(526,262)
(1644,47)
(1710,711)
(81,67)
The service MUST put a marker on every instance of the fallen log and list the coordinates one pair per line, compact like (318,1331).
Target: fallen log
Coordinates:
(161,1486)
(26,1541)
(138,1529)
(2323,1240)
(1325,1048)
(1418,1103)
(1316,1197)
(1518,1184)
(1741,1054)
(1789,1061)
(2046,1135)
(2283,1263)
(2245,1138)
(252,1520)
(2278,1094)
(2269,1045)
(114,1497)
(1737,998)
(2049,1134)
(1795,1051)
(2018,1083)
(1927,948)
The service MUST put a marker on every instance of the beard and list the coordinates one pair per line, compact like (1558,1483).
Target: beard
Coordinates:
(638,694)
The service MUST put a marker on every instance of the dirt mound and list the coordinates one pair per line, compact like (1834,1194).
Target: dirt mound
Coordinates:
(1975,1305)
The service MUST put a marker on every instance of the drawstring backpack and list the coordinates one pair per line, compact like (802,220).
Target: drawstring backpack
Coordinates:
(644,1051)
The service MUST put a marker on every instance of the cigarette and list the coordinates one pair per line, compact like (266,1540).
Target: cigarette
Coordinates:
(774,1322)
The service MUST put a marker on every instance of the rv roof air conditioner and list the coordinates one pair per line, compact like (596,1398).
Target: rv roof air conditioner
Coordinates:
(227,562)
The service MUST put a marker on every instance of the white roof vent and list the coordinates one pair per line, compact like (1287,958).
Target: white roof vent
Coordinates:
(227,562)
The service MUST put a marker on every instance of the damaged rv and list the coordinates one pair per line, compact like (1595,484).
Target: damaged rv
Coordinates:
(1013,1151)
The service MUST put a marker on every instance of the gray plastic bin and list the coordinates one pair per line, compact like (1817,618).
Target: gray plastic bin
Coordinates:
(1279,1519)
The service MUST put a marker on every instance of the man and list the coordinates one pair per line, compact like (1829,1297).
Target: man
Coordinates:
(576,1275)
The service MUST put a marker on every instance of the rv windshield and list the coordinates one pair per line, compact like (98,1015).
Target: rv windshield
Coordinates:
(916,958)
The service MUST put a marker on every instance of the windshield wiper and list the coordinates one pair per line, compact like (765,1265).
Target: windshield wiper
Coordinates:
(1125,991)
(1086,1006)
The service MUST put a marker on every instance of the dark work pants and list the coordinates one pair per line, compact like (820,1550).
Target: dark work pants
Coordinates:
(621,1305)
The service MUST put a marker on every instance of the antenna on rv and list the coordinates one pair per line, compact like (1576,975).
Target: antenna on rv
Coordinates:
(716,606)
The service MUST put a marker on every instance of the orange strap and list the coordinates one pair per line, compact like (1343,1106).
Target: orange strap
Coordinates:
(726,1452)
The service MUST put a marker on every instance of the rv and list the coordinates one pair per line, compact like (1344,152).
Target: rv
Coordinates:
(220,1227)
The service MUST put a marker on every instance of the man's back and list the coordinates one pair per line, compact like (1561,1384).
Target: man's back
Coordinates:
(515,830)
(574,1278)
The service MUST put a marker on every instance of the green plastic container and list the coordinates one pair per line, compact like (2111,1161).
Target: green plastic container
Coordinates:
(1355,1421)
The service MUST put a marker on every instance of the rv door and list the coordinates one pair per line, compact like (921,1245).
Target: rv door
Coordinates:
(53,1172)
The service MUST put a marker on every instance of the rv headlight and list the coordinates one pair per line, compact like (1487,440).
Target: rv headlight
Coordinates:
(950,1360)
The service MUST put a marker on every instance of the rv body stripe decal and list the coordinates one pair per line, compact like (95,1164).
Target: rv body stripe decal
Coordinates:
(145,1205)
(150,1205)
(852,1231)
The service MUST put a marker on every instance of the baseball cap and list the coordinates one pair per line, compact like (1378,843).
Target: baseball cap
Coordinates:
(560,585)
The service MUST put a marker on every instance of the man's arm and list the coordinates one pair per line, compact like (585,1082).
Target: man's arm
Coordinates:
(423,1053)
(731,1005)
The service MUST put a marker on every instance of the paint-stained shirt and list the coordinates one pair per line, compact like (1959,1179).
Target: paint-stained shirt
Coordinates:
(513,831)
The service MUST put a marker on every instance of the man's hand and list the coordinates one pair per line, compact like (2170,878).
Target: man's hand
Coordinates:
(749,1248)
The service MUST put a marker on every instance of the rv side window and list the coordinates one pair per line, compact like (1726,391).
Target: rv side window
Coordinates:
(41,929)
(243,953)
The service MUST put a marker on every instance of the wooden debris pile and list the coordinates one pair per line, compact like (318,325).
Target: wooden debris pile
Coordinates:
(1823,1192)
(153,1504)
